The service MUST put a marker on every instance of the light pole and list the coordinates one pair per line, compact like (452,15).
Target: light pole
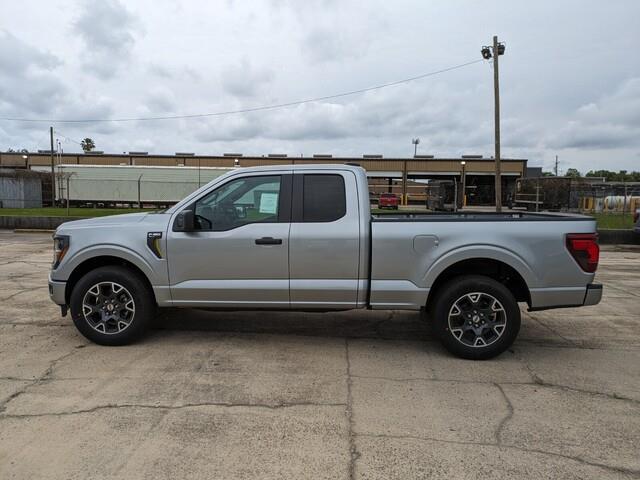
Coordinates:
(416,142)
(464,186)
(494,52)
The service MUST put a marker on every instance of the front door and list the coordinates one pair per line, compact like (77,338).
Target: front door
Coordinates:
(238,255)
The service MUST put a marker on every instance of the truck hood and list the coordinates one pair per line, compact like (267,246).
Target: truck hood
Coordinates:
(111,220)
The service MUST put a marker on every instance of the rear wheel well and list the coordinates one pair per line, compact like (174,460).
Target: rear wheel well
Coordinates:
(97,262)
(488,267)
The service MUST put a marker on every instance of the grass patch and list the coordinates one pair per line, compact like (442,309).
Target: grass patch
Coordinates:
(613,220)
(62,212)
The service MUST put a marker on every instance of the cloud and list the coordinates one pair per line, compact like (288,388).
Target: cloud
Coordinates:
(326,44)
(405,111)
(161,99)
(611,122)
(27,81)
(245,79)
(106,28)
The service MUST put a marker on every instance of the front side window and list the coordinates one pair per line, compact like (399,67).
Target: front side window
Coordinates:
(324,198)
(239,202)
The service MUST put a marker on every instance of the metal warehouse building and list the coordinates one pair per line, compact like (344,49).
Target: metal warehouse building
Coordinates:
(403,176)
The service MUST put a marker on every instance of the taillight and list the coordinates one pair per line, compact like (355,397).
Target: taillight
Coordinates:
(584,249)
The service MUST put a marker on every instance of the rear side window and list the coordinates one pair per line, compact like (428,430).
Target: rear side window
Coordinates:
(324,198)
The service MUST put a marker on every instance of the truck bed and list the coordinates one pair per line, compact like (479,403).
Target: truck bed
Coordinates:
(477,217)
(410,250)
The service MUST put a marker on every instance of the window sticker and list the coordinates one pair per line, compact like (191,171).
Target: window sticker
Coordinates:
(268,203)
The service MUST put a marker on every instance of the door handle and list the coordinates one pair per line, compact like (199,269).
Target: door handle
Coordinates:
(268,241)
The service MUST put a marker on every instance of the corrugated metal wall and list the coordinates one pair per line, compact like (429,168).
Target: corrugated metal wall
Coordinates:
(19,191)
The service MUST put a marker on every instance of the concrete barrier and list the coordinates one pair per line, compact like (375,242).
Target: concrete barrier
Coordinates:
(610,236)
(34,223)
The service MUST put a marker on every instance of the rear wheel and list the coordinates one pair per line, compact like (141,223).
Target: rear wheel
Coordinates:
(112,305)
(476,317)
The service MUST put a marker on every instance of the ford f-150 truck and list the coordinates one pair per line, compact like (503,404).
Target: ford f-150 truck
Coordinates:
(301,237)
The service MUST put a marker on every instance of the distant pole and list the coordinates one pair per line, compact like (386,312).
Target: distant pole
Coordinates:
(556,167)
(68,194)
(464,184)
(139,202)
(404,183)
(198,172)
(496,90)
(53,172)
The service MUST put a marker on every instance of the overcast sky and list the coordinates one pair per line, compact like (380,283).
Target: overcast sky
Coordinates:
(570,78)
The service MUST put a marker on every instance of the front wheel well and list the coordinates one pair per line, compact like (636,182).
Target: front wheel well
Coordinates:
(488,267)
(97,262)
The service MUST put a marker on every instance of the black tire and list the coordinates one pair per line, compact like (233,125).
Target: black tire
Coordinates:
(505,319)
(135,288)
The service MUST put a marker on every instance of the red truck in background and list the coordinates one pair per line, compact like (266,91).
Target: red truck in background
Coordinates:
(388,200)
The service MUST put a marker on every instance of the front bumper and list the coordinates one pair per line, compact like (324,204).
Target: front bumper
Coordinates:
(593,294)
(57,291)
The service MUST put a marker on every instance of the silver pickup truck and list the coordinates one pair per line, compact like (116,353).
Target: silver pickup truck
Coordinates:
(302,237)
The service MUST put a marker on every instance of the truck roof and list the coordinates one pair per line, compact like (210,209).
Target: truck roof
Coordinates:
(306,166)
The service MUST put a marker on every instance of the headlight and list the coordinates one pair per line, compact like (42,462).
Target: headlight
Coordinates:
(60,247)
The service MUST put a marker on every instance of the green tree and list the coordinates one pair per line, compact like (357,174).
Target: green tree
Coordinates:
(573,173)
(87,145)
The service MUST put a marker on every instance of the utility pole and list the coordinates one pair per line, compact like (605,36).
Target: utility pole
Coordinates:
(53,172)
(556,167)
(496,91)
(488,52)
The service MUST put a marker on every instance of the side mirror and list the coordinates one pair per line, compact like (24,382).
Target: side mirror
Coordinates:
(184,222)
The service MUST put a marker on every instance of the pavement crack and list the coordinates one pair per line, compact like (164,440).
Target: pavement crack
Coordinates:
(574,458)
(115,406)
(507,417)
(353,451)
(536,383)
(544,325)
(46,376)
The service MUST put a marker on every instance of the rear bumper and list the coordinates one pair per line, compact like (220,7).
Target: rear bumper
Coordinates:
(593,295)
(546,298)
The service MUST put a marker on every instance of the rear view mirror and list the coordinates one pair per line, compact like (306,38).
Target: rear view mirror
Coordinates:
(184,222)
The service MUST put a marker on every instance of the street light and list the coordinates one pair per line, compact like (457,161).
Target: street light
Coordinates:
(494,52)
(416,142)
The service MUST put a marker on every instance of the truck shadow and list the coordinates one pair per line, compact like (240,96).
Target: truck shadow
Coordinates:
(393,325)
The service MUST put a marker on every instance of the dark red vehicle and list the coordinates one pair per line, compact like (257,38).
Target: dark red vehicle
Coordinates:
(388,200)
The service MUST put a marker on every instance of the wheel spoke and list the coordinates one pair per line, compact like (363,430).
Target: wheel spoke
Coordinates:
(457,332)
(477,319)
(108,307)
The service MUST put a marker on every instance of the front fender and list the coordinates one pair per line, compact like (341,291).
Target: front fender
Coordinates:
(64,271)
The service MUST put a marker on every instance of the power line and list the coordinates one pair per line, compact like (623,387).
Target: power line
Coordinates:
(244,110)
(65,137)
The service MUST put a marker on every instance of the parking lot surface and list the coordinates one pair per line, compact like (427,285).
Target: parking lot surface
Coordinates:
(297,395)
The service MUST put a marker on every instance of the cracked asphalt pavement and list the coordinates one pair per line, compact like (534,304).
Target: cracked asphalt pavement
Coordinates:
(299,395)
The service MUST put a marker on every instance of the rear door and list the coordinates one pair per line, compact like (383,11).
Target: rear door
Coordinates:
(324,240)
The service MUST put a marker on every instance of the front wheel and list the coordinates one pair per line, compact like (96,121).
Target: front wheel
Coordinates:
(476,317)
(112,305)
